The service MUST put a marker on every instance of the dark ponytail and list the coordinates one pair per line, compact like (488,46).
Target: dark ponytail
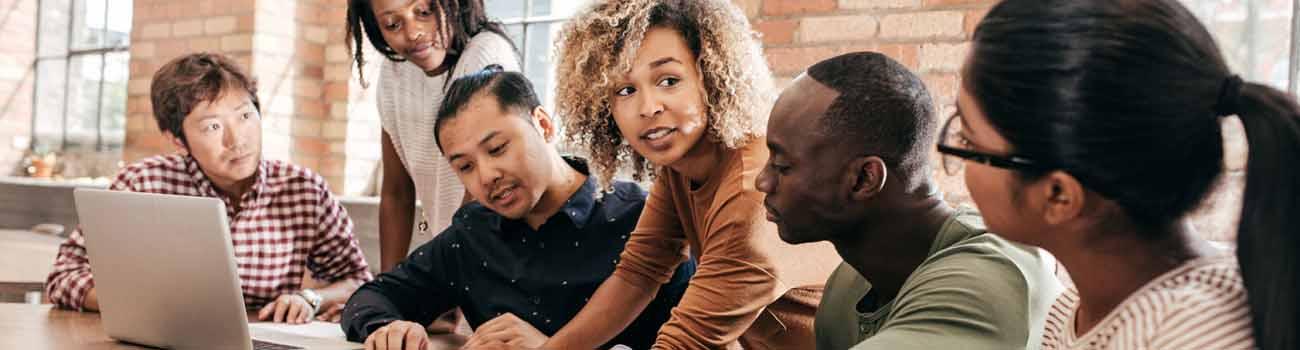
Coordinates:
(1267,244)
(1126,96)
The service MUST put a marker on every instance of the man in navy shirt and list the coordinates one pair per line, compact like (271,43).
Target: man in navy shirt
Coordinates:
(536,244)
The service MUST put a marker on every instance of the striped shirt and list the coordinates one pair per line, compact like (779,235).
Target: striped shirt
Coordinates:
(288,223)
(1199,305)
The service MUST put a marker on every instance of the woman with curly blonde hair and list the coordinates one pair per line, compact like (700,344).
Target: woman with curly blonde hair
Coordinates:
(680,88)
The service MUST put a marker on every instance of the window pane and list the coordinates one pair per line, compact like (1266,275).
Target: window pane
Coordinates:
(562,8)
(516,33)
(537,59)
(47,130)
(112,121)
(504,9)
(83,101)
(88,24)
(53,30)
(1254,35)
(541,8)
(119,23)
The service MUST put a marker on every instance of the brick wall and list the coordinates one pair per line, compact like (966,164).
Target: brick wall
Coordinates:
(931,37)
(17,70)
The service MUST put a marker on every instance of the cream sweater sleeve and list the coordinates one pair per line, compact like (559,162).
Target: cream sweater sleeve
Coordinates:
(485,49)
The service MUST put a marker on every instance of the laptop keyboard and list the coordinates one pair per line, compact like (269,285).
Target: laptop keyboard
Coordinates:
(263,345)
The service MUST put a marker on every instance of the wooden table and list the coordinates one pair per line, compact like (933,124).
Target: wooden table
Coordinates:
(39,327)
(26,258)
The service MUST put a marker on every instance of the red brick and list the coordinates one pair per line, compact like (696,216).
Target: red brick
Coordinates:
(837,28)
(905,54)
(922,25)
(311,108)
(336,91)
(309,14)
(943,57)
(878,4)
(972,20)
(244,23)
(313,72)
(793,7)
(778,31)
(332,166)
(305,161)
(205,44)
(786,61)
(172,48)
(311,146)
(941,3)
(943,87)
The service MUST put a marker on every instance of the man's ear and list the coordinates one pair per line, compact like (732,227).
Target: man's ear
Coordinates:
(176,142)
(1065,197)
(542,121)
(866,177)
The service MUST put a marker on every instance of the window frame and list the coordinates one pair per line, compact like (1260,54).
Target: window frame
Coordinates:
(1293,73)
(69,54)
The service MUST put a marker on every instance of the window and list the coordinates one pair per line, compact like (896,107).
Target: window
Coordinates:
(81,75)
(1257,37)
(533,26)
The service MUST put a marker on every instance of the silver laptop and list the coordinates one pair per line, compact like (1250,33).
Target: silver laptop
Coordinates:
(165,276)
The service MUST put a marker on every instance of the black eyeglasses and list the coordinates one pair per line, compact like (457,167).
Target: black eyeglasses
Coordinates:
(955,152)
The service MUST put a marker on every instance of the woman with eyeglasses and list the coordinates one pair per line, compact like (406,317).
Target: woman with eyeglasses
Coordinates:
(1091,128)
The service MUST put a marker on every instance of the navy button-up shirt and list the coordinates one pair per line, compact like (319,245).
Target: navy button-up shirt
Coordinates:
(489,265)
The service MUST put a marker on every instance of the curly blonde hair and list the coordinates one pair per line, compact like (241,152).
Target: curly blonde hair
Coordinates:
(599,44)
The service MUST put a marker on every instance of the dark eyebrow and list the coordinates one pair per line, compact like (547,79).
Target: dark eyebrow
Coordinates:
(663,61)
(485,139)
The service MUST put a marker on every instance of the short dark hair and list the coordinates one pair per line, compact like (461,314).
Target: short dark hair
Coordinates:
(513,91)
(190,80)
(882,108)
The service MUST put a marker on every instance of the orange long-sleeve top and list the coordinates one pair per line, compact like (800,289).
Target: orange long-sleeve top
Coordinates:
(743,265)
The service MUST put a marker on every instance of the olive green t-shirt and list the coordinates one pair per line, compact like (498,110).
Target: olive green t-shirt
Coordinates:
(975,291)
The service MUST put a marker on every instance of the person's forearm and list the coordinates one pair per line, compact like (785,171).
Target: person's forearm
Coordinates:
(91,301)
(612,308)
(338,292)
(396,219)
(396,207)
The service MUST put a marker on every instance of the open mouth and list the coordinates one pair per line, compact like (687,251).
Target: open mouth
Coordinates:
(503,195)
(658,133)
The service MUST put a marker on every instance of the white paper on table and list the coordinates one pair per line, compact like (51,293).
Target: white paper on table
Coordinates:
(316,329)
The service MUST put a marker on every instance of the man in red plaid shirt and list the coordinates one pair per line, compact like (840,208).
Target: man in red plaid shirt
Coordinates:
(283,219)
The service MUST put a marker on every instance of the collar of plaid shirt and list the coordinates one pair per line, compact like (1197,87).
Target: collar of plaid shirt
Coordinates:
(250,199)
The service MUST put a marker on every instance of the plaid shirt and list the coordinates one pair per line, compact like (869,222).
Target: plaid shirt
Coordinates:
(288,223)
